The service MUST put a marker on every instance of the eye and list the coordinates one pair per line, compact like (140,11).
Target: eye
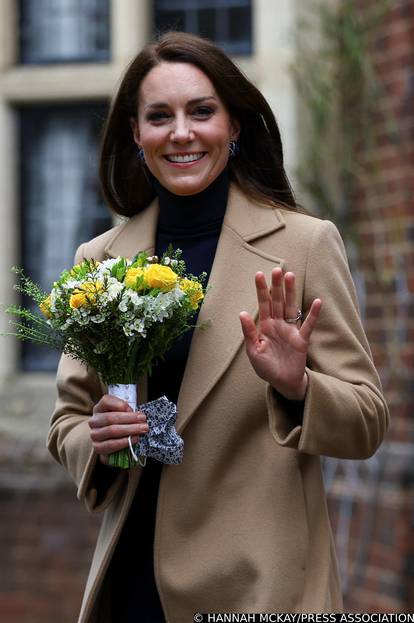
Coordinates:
(203,111)
(157,116)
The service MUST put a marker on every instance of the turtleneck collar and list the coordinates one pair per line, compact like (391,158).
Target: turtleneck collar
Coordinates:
(193,213)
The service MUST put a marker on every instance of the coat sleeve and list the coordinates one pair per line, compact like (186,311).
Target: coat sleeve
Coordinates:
(69,442)
(344,412)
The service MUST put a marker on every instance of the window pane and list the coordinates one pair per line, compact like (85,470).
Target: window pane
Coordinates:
(61,204)
(240,28)
(207,23)
(170,20)
(64,30)
(228,22)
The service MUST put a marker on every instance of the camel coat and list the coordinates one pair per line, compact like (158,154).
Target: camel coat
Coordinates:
(242,523)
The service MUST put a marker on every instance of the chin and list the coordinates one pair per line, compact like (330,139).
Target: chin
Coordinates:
(188,188)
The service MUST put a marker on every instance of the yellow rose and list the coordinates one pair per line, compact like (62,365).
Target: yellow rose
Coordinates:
(131,276)
(194,290)
(158,276)
(45,307)
(86,294)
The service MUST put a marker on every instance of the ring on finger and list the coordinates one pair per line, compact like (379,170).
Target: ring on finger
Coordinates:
(294,320)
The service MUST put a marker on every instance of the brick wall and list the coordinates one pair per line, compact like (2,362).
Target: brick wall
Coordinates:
(46,545)
(46,535)
(372,505)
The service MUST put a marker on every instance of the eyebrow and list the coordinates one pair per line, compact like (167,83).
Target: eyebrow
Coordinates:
(196,100)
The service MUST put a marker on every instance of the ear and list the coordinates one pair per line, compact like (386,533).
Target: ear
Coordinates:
(135,130)
(234,130)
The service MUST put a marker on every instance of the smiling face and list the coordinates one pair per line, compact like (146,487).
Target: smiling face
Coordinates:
(183,127)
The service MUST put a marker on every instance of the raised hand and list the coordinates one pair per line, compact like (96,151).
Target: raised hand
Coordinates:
(278,346)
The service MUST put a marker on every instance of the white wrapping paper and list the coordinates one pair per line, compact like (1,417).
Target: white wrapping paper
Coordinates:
(127,392)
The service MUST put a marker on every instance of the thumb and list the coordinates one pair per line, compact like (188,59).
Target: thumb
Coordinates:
(248,327)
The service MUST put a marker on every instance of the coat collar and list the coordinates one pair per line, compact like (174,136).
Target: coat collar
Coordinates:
(230,289)
(136,234)
(246,219)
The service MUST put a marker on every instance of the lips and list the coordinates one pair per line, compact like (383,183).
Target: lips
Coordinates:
(184,158)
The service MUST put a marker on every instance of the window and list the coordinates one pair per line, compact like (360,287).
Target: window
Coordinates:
(227,22)
(55,31)
(61,204)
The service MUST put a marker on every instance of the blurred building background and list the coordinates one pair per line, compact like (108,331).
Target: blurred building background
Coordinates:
(339,76)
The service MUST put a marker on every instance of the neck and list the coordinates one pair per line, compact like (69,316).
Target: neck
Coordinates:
(193,212)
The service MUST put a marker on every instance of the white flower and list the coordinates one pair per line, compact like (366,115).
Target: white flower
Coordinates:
(53,298)
(71,284)
(131,299)
(98,318)
(134,328)
(104,268)
(110,262)
(100,348)
(114,288)
(160,307)
(123,305)
(66,324)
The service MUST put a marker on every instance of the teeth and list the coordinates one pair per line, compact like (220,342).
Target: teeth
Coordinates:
(185,158)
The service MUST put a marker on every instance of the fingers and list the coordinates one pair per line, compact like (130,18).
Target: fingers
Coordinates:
(310,320)
(104,458)
(112,423)
(263,297)
(119,430)
(111,403)
(282,302)
(278,302)
(112,445)
(284,298)
(99,420)
(291,304)
(107,441)
(248,327)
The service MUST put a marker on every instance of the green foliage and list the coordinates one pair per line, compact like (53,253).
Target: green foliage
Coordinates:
(339,91)
(28,287)
(30,325)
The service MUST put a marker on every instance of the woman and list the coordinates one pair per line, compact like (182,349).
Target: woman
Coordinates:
(192,155)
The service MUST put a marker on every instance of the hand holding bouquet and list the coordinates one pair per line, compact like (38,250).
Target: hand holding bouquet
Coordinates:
(118,316)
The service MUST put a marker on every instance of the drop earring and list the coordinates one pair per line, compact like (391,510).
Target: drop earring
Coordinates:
(233,148)
(140,154)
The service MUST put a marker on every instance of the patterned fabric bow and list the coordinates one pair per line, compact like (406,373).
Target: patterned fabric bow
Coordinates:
(162,442)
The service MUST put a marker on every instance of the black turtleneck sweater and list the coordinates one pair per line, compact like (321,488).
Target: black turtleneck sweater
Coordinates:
(192,224)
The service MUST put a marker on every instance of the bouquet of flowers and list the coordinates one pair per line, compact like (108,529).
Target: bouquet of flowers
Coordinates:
(119,317)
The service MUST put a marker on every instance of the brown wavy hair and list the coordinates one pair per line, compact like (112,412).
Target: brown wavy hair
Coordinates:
(258,166)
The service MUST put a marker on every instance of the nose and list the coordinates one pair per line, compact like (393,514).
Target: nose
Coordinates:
(182,132)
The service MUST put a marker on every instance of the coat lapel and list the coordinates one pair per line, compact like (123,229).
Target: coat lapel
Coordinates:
(136,234)
(230,288)
(230,291)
